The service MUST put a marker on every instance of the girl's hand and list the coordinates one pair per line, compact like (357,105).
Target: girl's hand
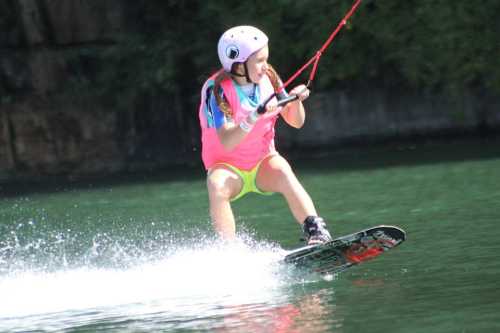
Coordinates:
(301,91)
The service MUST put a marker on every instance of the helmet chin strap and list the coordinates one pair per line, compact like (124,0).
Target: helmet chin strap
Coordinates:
(246,75)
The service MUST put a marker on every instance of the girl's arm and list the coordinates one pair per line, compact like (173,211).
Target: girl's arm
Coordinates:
(230,135)
(294,113)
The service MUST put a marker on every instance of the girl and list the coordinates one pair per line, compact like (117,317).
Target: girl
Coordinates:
(238,143)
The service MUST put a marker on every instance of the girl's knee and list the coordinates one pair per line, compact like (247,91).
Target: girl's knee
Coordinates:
(220,186)
(279,165)
(276,175)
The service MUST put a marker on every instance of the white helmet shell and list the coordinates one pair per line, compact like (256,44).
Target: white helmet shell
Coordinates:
(238,43)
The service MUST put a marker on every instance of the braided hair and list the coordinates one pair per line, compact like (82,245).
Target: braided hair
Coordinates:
(223,75)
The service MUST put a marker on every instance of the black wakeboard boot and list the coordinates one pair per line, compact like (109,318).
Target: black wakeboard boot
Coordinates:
(315,231)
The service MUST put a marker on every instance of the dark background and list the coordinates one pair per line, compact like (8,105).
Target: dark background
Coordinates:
(96,87)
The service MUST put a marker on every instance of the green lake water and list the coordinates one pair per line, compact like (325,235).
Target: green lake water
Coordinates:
(137,254)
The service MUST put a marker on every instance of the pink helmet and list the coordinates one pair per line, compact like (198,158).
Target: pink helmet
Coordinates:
(238,43)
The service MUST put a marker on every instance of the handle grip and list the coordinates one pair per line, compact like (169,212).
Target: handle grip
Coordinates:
(261,109)
(285,101)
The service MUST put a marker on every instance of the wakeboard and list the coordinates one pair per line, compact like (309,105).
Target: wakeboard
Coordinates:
(343,252)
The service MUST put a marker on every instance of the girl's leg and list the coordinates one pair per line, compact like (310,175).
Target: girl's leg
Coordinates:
(276,175)
(223,184)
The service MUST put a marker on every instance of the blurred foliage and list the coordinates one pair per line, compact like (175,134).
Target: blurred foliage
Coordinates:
(153,71)
(432,46)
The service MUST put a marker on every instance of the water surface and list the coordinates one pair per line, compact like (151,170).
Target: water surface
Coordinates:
(140,255)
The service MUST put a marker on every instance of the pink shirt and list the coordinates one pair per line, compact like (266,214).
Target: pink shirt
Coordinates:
(257,144)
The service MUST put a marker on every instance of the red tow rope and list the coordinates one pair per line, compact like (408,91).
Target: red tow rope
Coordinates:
(319,53)
(314,60)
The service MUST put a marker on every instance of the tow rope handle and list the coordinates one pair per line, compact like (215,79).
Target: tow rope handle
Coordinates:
(314,60)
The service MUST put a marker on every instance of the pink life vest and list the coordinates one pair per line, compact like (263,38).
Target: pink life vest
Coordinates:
(257,144)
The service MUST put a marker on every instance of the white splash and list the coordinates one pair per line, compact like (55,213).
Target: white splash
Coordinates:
(184,283)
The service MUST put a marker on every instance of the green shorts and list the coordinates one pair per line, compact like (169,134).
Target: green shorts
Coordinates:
(249,180)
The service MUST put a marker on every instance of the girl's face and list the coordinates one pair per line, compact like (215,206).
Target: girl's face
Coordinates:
(257,64)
